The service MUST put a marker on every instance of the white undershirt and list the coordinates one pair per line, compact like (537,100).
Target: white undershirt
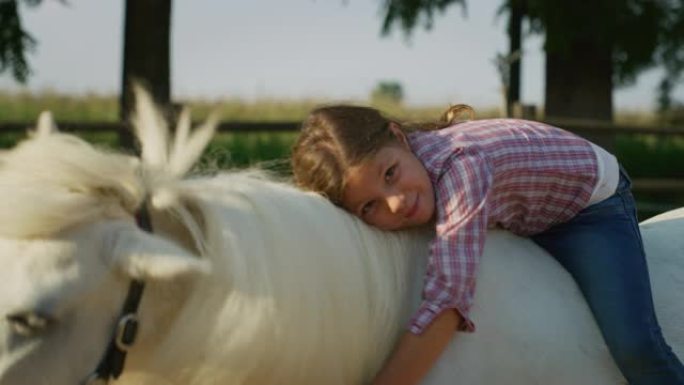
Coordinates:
(608,175)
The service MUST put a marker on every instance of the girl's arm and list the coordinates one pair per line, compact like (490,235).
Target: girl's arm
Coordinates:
(414,355)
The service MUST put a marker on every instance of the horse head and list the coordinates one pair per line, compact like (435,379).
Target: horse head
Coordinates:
(70,245)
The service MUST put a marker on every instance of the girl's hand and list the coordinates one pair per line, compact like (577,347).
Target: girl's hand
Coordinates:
(414,355)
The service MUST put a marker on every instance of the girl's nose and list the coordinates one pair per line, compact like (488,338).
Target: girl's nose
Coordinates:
(395,203)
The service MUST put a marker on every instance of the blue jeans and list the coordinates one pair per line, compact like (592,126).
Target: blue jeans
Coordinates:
(601,248)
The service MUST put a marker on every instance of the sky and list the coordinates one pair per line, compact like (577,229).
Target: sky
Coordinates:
(331,49)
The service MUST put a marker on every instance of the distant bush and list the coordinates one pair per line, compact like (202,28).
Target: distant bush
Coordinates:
(674,116)
(387,92)
(651,156)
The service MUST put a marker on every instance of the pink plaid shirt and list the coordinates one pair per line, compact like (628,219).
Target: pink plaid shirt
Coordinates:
(518,175)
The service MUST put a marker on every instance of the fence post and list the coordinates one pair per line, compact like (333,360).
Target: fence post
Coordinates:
(525,111)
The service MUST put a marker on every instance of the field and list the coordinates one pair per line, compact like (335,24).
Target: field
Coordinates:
(25,107)
(644,156)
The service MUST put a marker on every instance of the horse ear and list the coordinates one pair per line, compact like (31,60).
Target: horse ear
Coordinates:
(141,255)
(45,125)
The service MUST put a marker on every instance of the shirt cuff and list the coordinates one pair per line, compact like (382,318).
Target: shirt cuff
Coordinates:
(428,311)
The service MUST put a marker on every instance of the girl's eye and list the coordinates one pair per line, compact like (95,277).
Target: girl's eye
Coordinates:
(389,174)
(367,208)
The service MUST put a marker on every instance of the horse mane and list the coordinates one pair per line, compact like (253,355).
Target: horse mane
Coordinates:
(291,263)
(53,181)
(267,265)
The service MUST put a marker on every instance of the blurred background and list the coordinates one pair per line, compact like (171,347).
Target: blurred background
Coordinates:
(609,70)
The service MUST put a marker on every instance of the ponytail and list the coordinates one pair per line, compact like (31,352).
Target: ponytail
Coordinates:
(454,114)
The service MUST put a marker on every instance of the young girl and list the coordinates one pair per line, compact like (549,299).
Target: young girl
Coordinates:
(569,195)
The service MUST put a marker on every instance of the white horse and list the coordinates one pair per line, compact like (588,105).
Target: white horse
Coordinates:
(252,282)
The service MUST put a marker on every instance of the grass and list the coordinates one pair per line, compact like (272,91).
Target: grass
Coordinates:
(264,150)
(651,156)
(642,155)
(25,107)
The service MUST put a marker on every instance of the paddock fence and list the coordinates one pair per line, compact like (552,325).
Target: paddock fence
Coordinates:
(605,134)
(602,133)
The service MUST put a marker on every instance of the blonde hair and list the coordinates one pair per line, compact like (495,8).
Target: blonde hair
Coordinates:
(334,138)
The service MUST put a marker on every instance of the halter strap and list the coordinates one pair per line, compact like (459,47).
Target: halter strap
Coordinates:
(123,338)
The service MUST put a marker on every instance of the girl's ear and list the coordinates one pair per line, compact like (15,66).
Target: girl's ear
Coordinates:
(395,128)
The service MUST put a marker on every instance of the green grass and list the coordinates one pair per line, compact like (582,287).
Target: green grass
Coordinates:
(642,155)
(104,139)
(264,150)
(651,156)
(91,107)
(25,107)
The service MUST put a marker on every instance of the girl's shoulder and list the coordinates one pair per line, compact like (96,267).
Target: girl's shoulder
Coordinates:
(501,128)
(497,122)
(468,128)
(487,135)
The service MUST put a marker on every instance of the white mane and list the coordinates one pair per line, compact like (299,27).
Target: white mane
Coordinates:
(55,181)
(282,305)
(272,293)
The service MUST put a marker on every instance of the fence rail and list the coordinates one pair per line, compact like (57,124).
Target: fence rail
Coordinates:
(581,127)
(80,127)
(601,133)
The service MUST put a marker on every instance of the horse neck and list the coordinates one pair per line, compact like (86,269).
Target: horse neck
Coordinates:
(211,328)
(178,321)
(178,317)
(164,306)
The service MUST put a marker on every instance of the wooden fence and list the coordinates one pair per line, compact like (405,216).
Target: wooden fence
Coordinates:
(604,134)
(601,133)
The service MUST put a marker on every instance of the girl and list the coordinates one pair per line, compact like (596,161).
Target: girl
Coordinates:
(569,195)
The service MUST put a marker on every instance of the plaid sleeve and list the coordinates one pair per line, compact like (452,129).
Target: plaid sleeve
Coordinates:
(456,250)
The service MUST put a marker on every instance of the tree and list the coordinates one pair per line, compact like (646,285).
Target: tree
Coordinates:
(592,46)
(146,58)
(408,12)
(512,84)
(14,41)
(146,55)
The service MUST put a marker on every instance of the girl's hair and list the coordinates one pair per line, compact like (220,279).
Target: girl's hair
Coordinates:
(335,138)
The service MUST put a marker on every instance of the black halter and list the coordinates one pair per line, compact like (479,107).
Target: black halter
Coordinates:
(112,363)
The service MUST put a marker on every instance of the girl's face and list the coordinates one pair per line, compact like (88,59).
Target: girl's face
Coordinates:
(391,190)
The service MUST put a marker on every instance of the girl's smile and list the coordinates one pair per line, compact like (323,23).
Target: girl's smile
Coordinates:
(414,208)
(391,190)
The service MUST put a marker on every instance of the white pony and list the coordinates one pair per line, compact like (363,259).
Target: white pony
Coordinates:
(252,282)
